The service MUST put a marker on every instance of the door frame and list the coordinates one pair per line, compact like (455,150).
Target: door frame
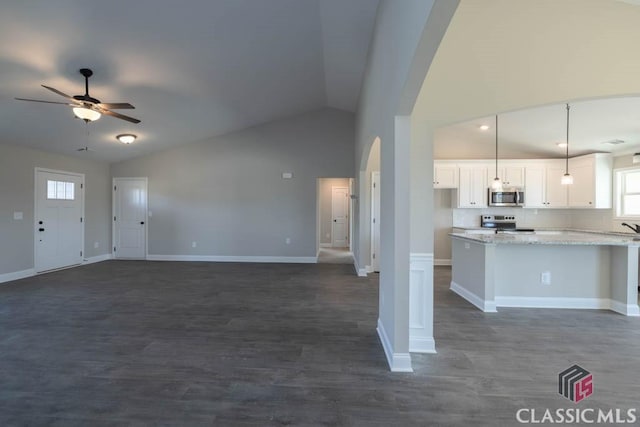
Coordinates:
(36,206)
(347,221)
(146,213)
(374,200)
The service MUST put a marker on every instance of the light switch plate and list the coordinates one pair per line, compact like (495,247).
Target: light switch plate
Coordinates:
(18,215)
(287,175)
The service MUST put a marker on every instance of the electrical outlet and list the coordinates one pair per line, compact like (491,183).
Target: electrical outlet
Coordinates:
(545,278)
(287,241)
(467,246)
(96,245)
(194,244)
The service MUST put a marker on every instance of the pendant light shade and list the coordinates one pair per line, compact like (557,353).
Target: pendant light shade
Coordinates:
(567,179)
(497,183)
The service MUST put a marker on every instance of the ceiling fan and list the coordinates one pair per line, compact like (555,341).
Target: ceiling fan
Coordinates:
(86,107)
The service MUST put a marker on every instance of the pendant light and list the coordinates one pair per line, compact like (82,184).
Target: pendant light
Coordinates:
(496,184)
(567,179)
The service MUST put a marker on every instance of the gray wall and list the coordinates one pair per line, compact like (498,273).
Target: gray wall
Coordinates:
(17,172)
(227,193)
(326,214)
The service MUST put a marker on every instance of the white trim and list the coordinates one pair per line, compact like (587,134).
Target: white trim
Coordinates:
(372,216)
(398,362)
(17,275)
(440,262)
(421,303)
(97,258)
(325,245)
(553,302)
(225,258)
(626,309)
(361,272)
(486,306)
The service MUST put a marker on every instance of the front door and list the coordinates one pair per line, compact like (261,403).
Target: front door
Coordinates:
(59,226)
(130,218)
(340,212)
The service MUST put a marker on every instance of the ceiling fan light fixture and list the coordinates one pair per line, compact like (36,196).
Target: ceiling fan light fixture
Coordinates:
(86,114)
(126,138)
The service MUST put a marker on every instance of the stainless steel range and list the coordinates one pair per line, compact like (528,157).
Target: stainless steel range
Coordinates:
(503,224)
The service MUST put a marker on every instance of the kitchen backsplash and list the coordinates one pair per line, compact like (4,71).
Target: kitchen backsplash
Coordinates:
(600,219)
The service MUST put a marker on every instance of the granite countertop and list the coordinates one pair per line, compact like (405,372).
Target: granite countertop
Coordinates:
(555,237)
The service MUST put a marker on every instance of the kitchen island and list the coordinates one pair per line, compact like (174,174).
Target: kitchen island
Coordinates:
(553,269)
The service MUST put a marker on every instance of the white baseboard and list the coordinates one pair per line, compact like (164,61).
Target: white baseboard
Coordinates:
(16,275)
(422,345)
(486,306)
(99,258)
(326,245)
(626,309)
(553,302)
(361,272)
(398,362)
(442,262)
(224,258)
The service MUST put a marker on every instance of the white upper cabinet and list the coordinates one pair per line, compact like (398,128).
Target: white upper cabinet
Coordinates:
(445,175)
(472,190)
(510,175)
(542,185)
(592,179)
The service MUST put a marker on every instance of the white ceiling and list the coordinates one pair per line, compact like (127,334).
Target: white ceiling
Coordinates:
(534,133)
(193,70)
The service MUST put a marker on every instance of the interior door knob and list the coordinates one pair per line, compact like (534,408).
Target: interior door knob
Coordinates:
(40,229)
(141,222)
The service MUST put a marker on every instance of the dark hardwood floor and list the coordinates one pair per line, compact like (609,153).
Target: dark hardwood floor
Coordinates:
(213,344)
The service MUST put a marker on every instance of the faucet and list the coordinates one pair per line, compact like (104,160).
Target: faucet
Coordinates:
(634,227)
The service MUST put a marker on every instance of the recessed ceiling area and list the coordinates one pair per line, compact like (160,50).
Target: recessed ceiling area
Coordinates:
(193,71)
(597,125)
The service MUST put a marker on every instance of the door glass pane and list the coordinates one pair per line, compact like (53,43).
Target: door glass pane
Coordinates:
(69,191)
(51,189)
(59,190)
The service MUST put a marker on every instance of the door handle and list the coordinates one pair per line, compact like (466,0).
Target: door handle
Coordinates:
(141,222)
(335,220)
(40,229)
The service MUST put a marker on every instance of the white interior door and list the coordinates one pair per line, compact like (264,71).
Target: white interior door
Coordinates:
(130,218)
(375,221)
(59,226)
(340,217)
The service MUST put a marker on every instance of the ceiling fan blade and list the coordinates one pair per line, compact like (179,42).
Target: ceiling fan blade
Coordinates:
(119,116)
(46,102)
(58,92)
(117,105)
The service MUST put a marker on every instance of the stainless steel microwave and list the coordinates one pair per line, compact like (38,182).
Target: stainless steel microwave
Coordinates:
(506,197)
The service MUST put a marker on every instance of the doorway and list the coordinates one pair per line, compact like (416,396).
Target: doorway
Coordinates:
(130,218)
(59,219)
(334,220)
(375,221)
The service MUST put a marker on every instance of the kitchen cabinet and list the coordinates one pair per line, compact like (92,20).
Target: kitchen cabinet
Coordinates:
(591,186)
(543,188)
(445,175)
(472,190)
(510,175)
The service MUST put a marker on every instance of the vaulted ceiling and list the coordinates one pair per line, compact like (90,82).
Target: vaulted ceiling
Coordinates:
(193,70)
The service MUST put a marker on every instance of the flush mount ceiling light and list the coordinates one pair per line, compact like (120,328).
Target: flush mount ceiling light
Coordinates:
(496,184)
(86,114)
(567,179)
(561,144)
(126,138)
(636,158)
(483,127)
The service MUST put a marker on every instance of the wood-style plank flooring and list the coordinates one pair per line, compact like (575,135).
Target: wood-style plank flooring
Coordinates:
(214,344)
